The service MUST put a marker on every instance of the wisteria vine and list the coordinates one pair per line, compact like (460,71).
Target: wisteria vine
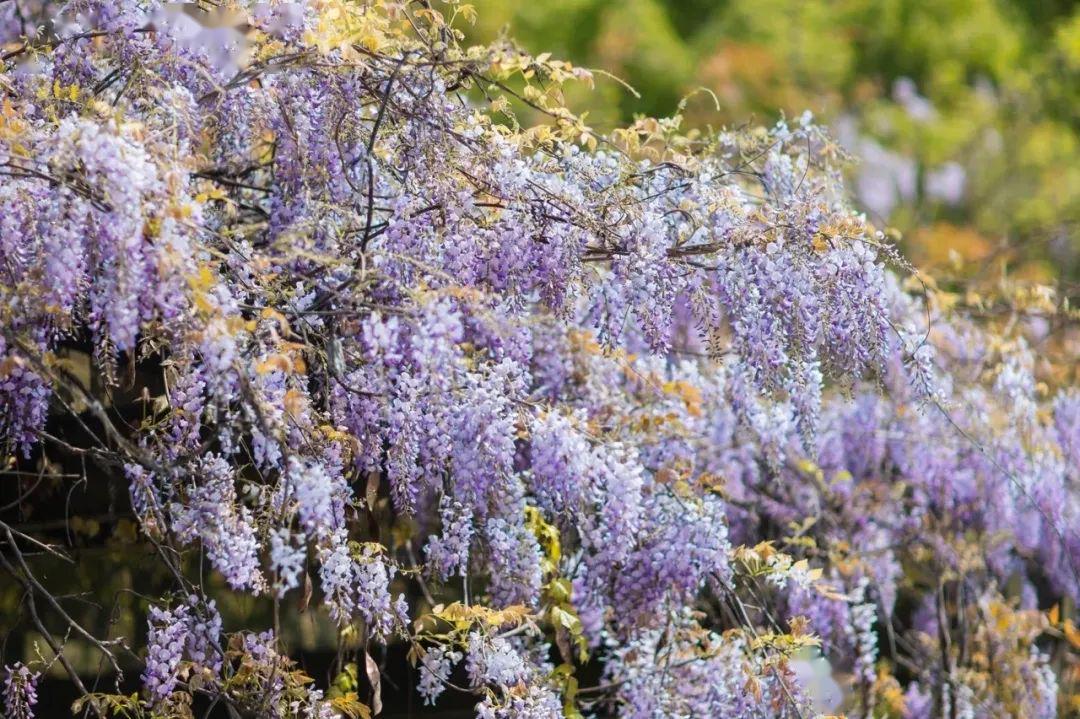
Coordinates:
(646,423)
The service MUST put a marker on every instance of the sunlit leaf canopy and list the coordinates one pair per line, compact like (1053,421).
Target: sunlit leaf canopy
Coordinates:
(345,366)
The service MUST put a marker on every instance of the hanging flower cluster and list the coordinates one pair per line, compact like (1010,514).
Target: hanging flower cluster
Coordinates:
(529,399)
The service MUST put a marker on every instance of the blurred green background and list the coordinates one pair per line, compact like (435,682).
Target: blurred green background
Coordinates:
(963,114)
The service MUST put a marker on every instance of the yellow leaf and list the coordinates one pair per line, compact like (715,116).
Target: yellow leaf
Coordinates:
(274,363)
(349,704)
(468,12)
(203,280)
(1072,634)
